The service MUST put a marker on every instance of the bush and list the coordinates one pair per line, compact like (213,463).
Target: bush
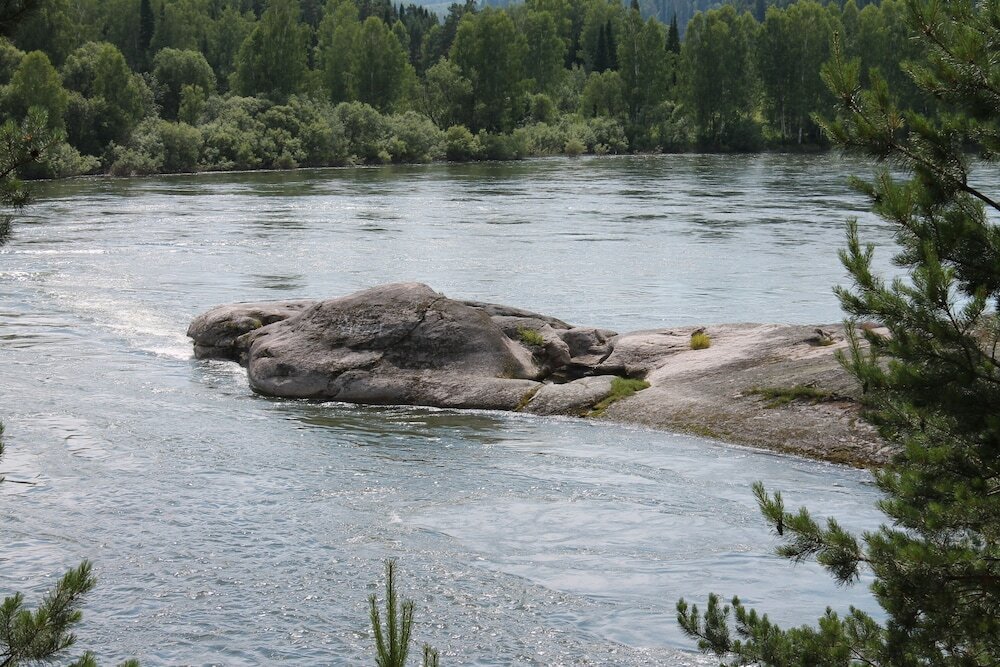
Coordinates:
(460,145)
(181,146)
(233,133)
(700,341)
(541,139)
(620,388)
(365,130)
(62,160)
(530,336)
(574,147)
(414,138)
(668,128)
(143,154)
(542,109)
(501,146)
(609,136)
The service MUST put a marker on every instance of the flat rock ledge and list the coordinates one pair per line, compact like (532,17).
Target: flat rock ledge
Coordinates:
(405,344)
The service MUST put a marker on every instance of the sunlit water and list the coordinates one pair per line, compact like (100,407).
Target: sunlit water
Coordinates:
(227,528)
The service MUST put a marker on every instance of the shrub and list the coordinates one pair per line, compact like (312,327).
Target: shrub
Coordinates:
(62,160)
(542,109)
(181,146)
(366,132)
(460,145)
(541,139)
(620,388)
(414,138)
(530,336)
(233,132)
(574,147)
(609,136)
(143,154)
(700,341)
(502,146)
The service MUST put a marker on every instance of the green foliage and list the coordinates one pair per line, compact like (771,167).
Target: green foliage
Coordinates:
(545,51)
(599,35)
(142,154)
(413,138)
(27,636)
(718,72)
(530,336)
(177,70)
(365,130)
(460,145)
(604,95)
(192,104)
(36,83)
(794,43)
(643,64)
(490,53)
(930,386)
(273,59)
(181,146)
(574,147)
(21,144)
(380,66)
(51,26)
(10,58)
(516,77)
(700,341)
(501,146)
(778,396)
(447,95)
(431,658)
(621,388)
(339,34)
(250,133)
(392,643)
(106,99)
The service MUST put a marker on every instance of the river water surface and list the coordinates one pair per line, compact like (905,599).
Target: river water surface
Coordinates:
(231,529)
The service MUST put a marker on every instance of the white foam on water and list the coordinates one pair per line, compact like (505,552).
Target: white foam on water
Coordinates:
(141,327)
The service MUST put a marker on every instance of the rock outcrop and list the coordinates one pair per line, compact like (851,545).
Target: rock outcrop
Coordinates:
(407,344)
(400,344)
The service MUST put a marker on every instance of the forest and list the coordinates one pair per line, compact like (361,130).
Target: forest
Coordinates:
(156,86)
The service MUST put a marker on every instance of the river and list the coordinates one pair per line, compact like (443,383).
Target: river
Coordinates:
(227,528)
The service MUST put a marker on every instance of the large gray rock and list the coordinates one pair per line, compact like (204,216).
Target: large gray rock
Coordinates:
(401,344)
(216,333)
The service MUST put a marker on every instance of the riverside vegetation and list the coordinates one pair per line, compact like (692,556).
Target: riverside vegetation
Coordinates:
(149,86)
(930,384)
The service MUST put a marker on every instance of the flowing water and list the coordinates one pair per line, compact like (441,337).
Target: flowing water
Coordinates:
(228,528)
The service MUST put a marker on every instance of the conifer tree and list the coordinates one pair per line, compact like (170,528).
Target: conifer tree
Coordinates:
(931,384)
(147,26)
(674,36)
(601,53)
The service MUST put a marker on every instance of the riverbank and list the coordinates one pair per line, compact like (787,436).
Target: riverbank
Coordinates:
(774,386)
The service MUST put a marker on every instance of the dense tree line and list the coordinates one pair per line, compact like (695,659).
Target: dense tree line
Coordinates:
(143,86)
